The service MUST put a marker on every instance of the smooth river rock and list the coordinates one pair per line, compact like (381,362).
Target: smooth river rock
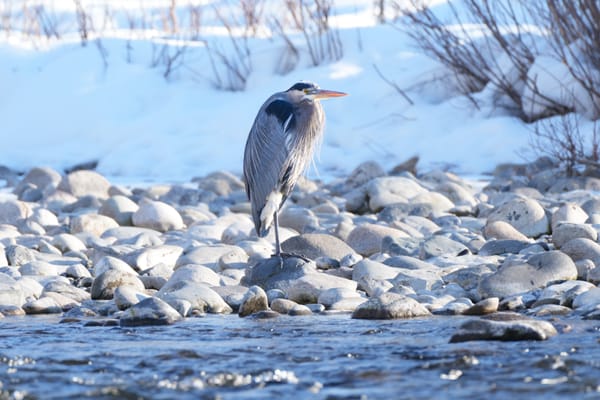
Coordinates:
(390,306)
(539,271)
(504,326)
(150,311)
(524,214)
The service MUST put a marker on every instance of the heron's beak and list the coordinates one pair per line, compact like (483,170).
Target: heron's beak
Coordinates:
(325,94)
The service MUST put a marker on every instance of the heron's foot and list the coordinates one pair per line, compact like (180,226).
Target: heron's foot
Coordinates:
(290,255)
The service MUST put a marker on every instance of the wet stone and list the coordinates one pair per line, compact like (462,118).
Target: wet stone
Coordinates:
(105,284)
(150,311)
(44,305)
(485,306)
(390,306)
(505,327)
(254,300)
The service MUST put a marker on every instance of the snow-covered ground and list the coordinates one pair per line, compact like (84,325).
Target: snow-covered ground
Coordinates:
(62,103)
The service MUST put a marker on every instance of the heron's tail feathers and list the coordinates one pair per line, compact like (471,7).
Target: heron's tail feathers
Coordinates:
(267,214)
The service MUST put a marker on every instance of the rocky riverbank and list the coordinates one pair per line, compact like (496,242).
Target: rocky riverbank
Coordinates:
(513,253)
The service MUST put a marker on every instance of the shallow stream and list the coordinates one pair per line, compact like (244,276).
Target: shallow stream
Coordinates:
(332,357)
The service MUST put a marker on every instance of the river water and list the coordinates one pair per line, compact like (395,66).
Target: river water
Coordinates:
(315,357)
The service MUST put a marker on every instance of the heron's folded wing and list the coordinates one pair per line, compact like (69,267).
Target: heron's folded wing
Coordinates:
(267,153)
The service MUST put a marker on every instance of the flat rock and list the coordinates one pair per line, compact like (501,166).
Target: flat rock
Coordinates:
(539,271)
(44,305)
(315,245)
(503,246)
(390,306)
(438,245)
(272,274)
(150,311)
(254,300)
(367,239)
(289,307)
(158,216)
(66,289)
(525,215)
(505,327)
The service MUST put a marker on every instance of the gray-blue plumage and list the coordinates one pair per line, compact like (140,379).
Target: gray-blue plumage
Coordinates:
(280,147)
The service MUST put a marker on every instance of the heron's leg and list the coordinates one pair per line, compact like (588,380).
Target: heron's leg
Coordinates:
(277,244)
(278,252)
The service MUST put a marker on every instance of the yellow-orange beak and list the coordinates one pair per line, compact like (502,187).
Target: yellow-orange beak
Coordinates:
(326,94)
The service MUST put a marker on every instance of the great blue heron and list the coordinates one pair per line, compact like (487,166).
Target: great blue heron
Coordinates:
(279,149)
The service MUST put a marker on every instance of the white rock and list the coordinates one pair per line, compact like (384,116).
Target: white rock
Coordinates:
(526,215)
(158,216)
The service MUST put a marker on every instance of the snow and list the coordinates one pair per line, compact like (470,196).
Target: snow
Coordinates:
(63,104)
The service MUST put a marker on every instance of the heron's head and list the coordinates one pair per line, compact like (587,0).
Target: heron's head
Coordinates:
(309,91)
